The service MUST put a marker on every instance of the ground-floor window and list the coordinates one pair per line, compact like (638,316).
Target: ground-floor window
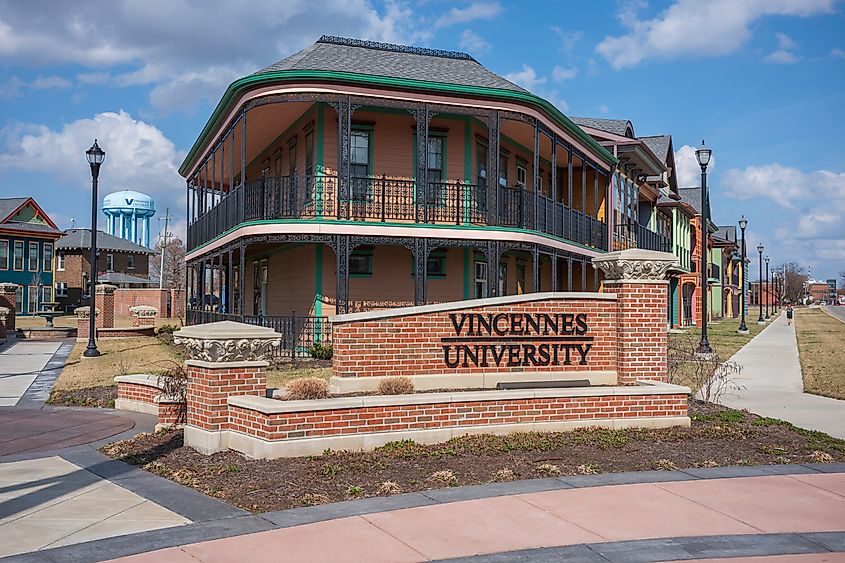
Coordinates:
(503,279)
(361,262)
(47,294)
(480,280)
(520,279)
(32,299)
(436,265)
(61,289)
(19,299)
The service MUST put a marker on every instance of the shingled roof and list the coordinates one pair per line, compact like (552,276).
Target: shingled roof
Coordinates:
(615,126)
(81,239)
(659,145)
(9,204)
(340,54)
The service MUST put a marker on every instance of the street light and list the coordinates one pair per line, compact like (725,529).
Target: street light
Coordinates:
(702,154)
(768,289)
(95,156)
(760,249)
(743,329)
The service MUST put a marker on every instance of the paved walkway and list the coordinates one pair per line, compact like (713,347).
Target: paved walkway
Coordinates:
(615,523)
(772,385)
(36,430)
(22,362)
(838,312)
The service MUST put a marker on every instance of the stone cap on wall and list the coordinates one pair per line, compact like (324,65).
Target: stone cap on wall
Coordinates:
(635,264)
(105,288)
(85,312)
(143,311)
(471,304)
(8,287)
(228,341)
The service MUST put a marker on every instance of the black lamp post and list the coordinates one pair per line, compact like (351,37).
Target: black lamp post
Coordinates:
(95,156)
(768,289)
(702,154)
(760,319)
(743,329)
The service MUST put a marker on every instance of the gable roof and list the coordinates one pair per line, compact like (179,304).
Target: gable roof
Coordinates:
(692,196)
(727,232)
(340,54)
(659,145)
(621,127)
(81,239)
(10,206)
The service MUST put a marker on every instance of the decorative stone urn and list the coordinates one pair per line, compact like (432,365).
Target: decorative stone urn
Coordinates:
(227,359)
(638,278)
(143,315)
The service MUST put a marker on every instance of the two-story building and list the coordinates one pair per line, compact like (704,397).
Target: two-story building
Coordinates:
(120,262)
(27,238)
(356,175)
(725,243)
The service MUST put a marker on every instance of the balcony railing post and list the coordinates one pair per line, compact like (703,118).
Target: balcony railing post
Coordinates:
(383,192)
(457,202)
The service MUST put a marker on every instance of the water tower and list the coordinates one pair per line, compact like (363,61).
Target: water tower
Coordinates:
(129,214)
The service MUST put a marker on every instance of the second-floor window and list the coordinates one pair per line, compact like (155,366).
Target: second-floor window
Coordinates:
(436,191)
(109,262)
(47,260)
(33,257)
(480,280)
(359,164)
(18,257)
(521,175)
(60,261)
(61,289)
(4,255)
(130,262)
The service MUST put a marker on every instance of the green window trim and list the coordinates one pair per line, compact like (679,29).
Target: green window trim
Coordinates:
(444,177)
(366,253)
(437,254)
(5,262)
(369,129)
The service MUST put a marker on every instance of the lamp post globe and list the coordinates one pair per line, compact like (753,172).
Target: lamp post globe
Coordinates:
(760,249)
(95,156)
(743,328)
(703,154)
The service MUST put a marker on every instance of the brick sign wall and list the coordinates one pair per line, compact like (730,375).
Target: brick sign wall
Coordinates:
(529,333)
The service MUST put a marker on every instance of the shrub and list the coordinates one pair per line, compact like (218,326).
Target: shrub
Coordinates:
(312,499)
(444,477)
(320,351)
(821,457)
(389,488)
(167,329)
(395,386)
(354,491)
(588,469)
(307,388)
(665,465)
(504,475)
(548,469)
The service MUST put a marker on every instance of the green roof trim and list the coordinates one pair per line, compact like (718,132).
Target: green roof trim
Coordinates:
(262,79)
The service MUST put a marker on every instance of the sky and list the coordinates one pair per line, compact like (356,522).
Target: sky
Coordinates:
(762,82)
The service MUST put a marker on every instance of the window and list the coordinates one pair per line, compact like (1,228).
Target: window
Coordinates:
(47,294)
(436,188)
(32,299)
(436,265)
(480,280)
(19,299)
(109,262)
(61,289)
(503,279)
(520,278)
(481,163)
(130,262)
(18,255)
(359,165)
(503,169)
(60,261)
(309,152)
(521,175)
(33,257)
(277,163)
(292,157)
(4,255)
(47,262)
(361,263)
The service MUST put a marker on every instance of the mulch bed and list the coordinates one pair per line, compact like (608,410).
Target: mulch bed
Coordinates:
(96,397)
(718,437)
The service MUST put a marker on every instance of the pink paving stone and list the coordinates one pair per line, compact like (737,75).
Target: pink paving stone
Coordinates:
(626,512)
(802,558)
(833,482)
(475,527)
(169,555)
(346,539)
(772,504)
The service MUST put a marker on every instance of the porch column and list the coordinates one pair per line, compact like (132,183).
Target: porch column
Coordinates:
(492,268)
(342,268)
(423,117)
(550,224)
(241,276)
(229,285)
(420,271)
(554,271)
(493,123)
(583,274)
(535,269)
(582,219)
(344,138)
(569,273)
(567,230)
(536,174)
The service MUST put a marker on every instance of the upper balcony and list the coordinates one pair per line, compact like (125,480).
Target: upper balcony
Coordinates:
(636,235)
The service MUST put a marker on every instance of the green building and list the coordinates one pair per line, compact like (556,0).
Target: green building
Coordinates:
(27,239)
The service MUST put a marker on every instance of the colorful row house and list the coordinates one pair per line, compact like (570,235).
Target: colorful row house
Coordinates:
(27,249)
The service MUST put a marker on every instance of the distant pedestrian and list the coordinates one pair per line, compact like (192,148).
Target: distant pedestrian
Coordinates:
(789,315)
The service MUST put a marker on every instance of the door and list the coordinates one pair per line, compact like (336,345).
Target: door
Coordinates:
(687,296)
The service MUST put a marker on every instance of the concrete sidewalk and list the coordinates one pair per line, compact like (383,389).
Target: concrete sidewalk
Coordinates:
(772,385)
(705,518)
(28,368)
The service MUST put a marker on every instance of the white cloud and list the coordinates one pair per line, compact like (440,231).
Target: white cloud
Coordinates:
(473,12)
(169,43)
(837,53)
(693,28)
(138,156)
(559,73)
(603,109)
(687,169)
(472,42)
(781,57)
(11,87)
(568,39)
(50,83)
(527,78)
(785,42)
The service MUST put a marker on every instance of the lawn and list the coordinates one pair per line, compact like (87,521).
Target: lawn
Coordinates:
(279,374)
(717,437)
(821,349)
(69,321)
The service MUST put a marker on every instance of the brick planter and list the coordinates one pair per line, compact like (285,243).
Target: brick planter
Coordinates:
(143,393)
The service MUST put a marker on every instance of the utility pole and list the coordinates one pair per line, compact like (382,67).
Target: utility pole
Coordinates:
(164,236)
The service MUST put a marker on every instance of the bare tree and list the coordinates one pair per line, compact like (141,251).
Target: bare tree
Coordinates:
(174,264)
(794,279)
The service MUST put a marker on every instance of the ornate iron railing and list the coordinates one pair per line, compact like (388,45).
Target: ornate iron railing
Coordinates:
(298,333)
(392,199)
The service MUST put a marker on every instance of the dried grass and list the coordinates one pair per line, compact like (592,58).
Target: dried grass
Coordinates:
(307,388)
(395,386)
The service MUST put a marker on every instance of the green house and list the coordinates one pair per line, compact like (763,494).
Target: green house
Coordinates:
(27,239)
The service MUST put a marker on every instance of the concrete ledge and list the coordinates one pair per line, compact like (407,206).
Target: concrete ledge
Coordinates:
(224,365)
(273,406)
(136,406)
(139,379)
(469,381)
(471,304)
(258,448)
